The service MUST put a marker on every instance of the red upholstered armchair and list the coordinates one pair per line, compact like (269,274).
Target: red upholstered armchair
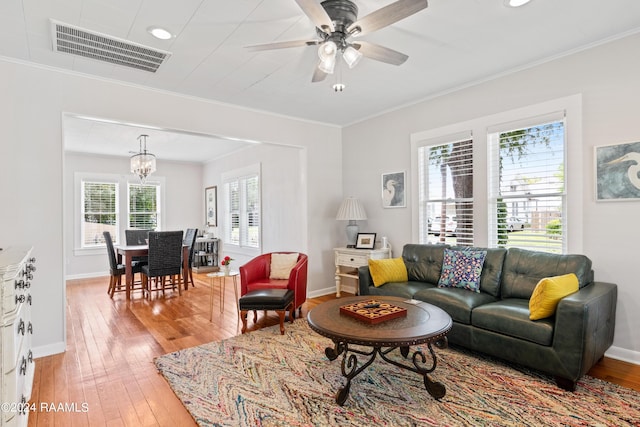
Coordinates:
(254,275)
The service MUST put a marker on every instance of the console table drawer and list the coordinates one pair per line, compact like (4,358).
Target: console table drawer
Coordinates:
(350,260)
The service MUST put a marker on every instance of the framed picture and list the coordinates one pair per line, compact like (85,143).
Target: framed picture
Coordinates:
(393,194)
(366,240)
(211,206)
(617,168)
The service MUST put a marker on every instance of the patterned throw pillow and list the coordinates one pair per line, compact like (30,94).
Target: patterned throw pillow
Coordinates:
(462,269)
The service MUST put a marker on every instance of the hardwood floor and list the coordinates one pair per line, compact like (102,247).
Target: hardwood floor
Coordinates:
(107,376)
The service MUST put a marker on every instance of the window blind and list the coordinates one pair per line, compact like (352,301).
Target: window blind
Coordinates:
(527,187)
(446,192)
(144,212)
(99,212)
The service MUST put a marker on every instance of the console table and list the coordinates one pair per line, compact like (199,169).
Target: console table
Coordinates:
(349,259)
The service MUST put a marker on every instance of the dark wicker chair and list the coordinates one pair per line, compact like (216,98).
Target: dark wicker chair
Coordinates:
(117,270)
(165,261)
(135,237)
(190,240)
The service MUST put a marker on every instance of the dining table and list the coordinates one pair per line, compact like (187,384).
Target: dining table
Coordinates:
(126,253)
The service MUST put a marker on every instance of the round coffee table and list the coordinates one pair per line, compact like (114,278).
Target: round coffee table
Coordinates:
(423,324)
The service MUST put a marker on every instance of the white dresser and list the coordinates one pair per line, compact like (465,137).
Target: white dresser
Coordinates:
(348,260)
(17,365)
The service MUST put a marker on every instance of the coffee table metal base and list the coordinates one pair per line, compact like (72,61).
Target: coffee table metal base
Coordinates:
(350,362)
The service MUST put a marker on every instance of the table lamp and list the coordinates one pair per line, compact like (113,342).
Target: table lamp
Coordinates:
(351,210)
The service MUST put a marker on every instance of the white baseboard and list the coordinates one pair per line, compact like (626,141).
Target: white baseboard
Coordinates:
(49,349)
(623,354)
(331,290)
(87,275)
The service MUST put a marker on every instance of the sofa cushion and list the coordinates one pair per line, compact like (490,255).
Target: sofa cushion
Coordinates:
(400,289)
(387,270)
(523,270)
(458,303)
(492,270)
(462,269)
(548,293)
(511,317)
(424,262)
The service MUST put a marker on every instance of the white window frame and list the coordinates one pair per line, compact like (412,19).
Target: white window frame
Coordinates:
(494,181)
(122,182)
(424,166)
(574,165)
(158,212)
(240,176)
(116,212)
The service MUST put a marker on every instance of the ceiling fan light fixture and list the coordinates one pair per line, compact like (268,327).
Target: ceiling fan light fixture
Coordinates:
(351,56)
(327,50)
(327,65)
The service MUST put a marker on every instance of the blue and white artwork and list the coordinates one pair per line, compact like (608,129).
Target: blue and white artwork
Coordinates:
(618,172)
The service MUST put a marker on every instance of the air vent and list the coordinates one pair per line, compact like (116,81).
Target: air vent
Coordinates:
(89,44)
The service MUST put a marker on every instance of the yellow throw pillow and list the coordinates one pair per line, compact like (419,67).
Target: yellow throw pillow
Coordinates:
(387,270)
(282,264)
(548,293)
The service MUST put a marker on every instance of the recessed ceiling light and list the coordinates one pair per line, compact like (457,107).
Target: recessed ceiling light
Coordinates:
(160,33)
(515,3)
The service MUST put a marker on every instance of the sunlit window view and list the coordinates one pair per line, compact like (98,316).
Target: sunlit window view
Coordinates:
(528,188)
(447,187)
(99,212)
(243,211)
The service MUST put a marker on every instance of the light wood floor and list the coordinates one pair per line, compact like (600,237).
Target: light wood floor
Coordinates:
(107,376)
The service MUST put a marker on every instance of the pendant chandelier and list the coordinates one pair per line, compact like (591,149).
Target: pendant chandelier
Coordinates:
(143,164)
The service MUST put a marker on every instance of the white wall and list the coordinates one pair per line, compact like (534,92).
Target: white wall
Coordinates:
(32,104)
(284,213)
(181,206)
(607,78)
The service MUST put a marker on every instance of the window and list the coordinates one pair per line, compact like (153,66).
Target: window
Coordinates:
(527,185)
(99,208)
(242,227)
(446,192)
(99,212)
(144,212)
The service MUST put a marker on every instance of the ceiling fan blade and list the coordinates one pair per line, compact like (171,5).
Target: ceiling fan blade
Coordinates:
(317,14)
(282,45)
(385,16)
(318,75)
(380,53)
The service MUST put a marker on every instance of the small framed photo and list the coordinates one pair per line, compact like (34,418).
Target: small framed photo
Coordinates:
(393,194)
(211,205)
(617,172)
(366,240)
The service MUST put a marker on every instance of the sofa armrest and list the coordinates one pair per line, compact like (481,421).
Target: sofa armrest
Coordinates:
(364,280)
(584,326)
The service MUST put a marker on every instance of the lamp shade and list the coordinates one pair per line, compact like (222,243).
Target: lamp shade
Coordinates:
(351,209)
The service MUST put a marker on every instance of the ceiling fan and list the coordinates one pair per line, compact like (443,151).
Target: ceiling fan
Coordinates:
(337,22)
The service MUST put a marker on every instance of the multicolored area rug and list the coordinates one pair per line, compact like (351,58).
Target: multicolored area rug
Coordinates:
(266,379)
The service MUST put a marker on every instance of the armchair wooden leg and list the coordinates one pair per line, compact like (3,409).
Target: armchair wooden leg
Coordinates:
(243,316)
(281,314)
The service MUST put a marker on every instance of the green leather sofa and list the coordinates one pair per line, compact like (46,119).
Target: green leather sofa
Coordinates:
(496,322)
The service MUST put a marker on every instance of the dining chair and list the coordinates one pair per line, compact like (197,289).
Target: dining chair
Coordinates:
(118,270)
(190,240)
(135,237)
(165,262)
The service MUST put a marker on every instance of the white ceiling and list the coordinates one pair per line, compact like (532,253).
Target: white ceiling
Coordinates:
(451,44)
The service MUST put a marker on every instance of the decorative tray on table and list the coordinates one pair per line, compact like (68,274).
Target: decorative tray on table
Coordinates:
(373,311)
